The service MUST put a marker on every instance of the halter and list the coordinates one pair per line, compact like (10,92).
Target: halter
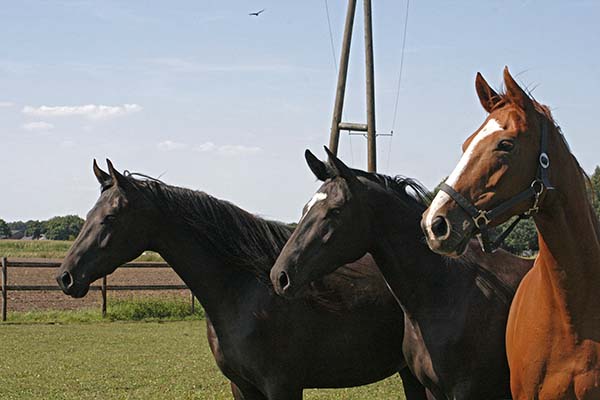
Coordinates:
(482,218)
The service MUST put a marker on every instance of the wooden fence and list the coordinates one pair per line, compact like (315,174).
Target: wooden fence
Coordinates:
(103,287)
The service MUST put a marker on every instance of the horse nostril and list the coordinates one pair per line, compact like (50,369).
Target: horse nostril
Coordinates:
(284,281)
(66,280)
(439,227)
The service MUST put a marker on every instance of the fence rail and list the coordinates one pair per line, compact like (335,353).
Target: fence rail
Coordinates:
(103,287)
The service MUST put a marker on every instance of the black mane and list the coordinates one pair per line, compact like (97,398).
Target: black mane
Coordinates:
(408,190)
(245,240)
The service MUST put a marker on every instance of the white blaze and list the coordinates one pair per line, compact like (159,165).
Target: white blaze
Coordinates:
(442,198)
(315,199)
(491,127)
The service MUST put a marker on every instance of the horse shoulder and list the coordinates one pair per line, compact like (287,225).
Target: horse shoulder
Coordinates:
(545,357)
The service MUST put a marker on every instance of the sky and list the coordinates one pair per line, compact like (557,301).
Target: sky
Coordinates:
(210,98)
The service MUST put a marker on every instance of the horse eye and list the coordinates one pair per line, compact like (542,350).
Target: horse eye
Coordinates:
(109,219)
(334,212)
(505,145)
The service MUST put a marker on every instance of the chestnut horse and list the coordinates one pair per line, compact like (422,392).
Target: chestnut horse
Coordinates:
(345,333)
(518,163)
(455,311)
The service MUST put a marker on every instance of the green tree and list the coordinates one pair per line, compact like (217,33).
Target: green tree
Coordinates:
(4,229)
(63,228)
(17,226)
(34,228)
(523,240)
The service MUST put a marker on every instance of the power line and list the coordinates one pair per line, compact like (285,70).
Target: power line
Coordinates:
(399,81)
(401,65)
(330,36)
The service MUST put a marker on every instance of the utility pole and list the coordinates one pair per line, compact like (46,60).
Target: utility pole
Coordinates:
(336,124)
(340,92)
(370,81)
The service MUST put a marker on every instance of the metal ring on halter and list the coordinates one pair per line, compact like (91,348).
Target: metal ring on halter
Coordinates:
(544,160)
(481,216)
(535,188)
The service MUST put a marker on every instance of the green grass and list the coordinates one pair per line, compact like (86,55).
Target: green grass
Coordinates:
(34,248)
(126,360)
(49,249)
(136,309)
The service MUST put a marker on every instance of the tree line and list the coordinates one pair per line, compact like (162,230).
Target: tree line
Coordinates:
(65,227)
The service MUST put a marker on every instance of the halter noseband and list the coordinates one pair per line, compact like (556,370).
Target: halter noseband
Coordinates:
(482,218)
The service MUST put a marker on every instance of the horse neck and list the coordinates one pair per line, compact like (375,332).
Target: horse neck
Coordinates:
(218,283)
(568,237)
(419,278)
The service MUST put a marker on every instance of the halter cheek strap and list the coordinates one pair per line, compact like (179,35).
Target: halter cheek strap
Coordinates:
(482,218)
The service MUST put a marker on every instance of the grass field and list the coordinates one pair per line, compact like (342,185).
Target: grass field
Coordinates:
(126,360)
(49,249)
(146,309)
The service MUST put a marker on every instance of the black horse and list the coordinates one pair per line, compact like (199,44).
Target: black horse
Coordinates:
(455,318)
(343,334)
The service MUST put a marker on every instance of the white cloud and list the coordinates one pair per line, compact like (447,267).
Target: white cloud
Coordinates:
(169,145)
(91,111)
(6,104)
(205,147)
(38,126)
(227,149)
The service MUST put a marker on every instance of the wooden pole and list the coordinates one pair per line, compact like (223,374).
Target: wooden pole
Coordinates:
(340,92)
(4,283)
(103,289)
(370,81)
(193,307)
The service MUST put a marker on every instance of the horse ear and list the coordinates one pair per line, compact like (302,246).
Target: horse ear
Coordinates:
(339,168)
(103,178)
(321,170)
(116,176)
(487,96)
(515,93)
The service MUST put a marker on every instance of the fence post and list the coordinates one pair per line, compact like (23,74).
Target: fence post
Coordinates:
(4,283)
(103,297)
(193,302)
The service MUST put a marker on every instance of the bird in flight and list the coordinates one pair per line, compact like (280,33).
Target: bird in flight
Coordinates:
(256,14)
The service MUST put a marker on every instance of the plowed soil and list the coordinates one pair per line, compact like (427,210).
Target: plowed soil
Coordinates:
(56,300)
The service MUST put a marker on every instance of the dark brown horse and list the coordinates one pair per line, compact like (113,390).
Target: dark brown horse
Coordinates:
(345,333)
(518,162)
(455,311)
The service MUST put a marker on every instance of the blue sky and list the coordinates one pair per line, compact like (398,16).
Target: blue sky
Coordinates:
(226,103)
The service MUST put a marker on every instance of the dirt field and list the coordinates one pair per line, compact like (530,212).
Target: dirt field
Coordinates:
(56,300)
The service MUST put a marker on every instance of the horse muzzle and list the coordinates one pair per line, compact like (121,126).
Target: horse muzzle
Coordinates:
(70,286)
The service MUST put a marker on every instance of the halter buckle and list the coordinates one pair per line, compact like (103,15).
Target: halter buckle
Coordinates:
(538,187)
(482,216)
(544,160)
